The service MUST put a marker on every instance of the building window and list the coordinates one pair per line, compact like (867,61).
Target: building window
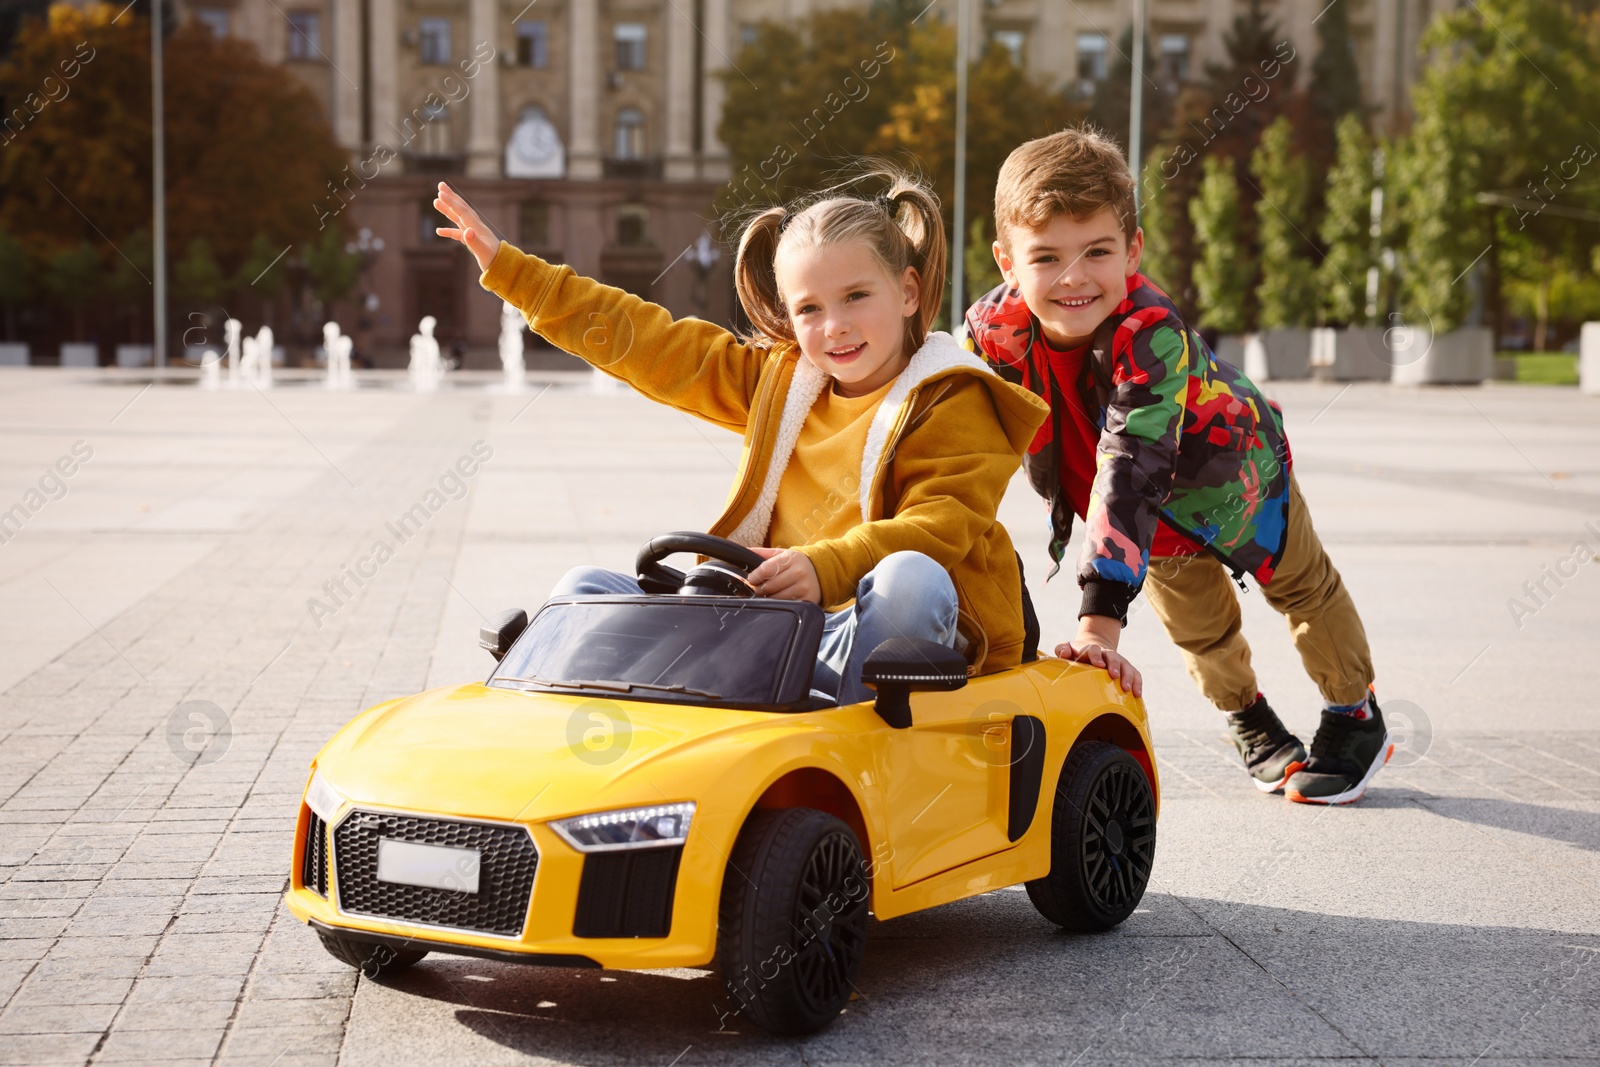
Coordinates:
(1174,58)
(431,221)
(633,225)
(305,35)
(434,137)
(1012,41)
(1091,62)
(630,134)
(433,41)
(630,40)
(215,19)
(533,44)
(533,218)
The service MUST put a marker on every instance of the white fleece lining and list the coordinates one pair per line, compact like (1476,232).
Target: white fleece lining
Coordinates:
(804,388)
(938,354)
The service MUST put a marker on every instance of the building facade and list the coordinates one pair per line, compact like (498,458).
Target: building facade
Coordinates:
(585,130)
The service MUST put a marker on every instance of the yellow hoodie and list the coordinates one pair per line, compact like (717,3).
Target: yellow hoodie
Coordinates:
(942,448)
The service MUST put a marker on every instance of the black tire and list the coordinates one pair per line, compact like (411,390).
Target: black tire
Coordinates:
(369,957)
(1102,840)
(792,929)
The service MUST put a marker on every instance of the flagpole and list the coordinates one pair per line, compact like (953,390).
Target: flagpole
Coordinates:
(158,122)
(958,209)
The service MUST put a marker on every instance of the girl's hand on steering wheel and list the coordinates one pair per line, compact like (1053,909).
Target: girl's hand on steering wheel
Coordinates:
(786,575)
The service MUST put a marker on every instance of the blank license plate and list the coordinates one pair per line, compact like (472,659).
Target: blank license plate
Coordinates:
(431,866)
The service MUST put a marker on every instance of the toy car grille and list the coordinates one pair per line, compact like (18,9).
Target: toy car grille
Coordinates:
(505,872)
(314,867)
(627,894)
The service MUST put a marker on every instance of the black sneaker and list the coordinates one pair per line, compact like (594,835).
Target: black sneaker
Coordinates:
(1270,752)
(1345,755)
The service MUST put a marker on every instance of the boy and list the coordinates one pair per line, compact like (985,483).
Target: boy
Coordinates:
(1177,464)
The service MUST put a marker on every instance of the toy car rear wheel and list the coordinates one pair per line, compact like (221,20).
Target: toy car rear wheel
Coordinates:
(792,929)
(369,957)
(1102,840)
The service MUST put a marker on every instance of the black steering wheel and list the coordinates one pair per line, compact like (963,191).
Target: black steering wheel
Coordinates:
(724,575)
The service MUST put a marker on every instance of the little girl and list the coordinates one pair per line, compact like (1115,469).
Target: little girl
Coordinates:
(875,452)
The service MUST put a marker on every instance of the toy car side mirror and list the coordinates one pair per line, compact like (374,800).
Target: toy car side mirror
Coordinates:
(903,665)
(501,632)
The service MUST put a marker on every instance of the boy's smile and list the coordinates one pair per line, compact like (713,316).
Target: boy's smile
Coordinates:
(1072,272)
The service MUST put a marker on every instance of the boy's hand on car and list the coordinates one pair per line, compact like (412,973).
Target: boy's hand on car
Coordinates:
(469,229)
(786,575)
(1096,644)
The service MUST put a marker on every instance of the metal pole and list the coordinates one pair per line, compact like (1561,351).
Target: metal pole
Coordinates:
(958,210)
(1136,103)
(158,129)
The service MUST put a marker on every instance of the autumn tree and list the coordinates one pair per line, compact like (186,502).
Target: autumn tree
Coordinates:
(248,152)
(844,84)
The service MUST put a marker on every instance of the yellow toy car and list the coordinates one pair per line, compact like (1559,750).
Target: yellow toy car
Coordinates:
(648,781)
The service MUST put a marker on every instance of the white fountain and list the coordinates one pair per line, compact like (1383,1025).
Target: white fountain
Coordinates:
(338,348)
(230,331)
(263,378)
(511,362)
(426,364)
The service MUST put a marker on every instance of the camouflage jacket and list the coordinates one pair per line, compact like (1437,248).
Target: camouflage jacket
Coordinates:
(1185,439)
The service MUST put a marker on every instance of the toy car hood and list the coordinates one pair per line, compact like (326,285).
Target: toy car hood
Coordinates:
(508,754)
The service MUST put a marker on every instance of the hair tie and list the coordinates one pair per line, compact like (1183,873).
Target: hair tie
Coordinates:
(783,223)
(887,202)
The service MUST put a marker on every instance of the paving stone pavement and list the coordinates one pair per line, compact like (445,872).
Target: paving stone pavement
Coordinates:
(1451,917)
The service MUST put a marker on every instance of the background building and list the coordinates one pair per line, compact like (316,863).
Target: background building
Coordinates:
(586,130)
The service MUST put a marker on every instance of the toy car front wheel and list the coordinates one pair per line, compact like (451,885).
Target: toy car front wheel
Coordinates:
(369,957)
(793,921)
(1102,840)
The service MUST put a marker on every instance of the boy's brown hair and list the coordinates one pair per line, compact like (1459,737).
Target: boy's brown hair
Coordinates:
(1075,172)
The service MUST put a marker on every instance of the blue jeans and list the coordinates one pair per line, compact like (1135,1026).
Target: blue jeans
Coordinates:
(905,595)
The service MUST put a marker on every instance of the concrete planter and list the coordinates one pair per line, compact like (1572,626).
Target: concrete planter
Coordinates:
(1460,357)
(80,355)
(1589,359)
(13,355)
(136,355)
(1357,354)
(1230,349)
(1278,355)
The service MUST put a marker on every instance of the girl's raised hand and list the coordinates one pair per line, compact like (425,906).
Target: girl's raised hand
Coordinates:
(469,229)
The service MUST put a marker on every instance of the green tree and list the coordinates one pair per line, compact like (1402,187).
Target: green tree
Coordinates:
(196,278)
(1335,78)
(1287,293)
(983,273)
(16,279)
(75,277)
(1346,230)
(1502,131)
(1159,214)
(262,271)
(130,282)
(334,271)
(1224,274)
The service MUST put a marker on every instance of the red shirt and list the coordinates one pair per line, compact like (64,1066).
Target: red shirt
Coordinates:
(1080,437)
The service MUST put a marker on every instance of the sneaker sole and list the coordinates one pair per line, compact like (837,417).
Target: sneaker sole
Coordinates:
(1353,794)
(1288,772)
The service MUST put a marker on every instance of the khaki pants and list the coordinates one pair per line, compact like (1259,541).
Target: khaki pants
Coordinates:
(1194,598)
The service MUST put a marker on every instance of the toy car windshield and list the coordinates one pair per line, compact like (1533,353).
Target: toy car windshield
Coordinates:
(708,650)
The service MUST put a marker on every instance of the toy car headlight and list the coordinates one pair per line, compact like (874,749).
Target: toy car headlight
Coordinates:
(324,799)
(609,831)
